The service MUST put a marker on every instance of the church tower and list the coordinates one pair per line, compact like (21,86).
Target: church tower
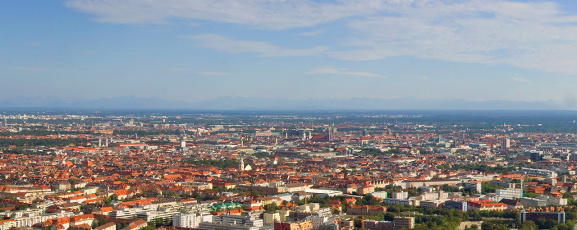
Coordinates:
(241,164)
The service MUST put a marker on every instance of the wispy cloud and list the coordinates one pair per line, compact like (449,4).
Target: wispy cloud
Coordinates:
(263,49)
(536,35)
(330,70)
(530,35)
(262,14)
(519,79)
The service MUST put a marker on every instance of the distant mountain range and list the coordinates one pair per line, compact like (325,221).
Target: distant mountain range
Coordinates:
(253,103)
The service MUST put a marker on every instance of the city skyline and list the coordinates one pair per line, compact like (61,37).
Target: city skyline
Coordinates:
(195,51)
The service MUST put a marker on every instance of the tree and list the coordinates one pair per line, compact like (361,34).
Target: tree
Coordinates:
(173,194)
(487,187)
(477,216)
(150,226)
(271,207)
(101,220)
(107,200)
(158,222)
(87,208)
(543,223)
(368,200)
(488,225)
(529,225)
(447,188)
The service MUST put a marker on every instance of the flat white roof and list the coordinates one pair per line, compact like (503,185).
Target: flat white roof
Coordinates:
(325,191)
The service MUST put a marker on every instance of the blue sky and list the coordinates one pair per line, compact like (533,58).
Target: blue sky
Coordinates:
(298,49)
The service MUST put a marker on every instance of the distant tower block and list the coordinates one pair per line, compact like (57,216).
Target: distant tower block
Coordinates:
(506,143)
(99,142)
(183,146)
(106,142)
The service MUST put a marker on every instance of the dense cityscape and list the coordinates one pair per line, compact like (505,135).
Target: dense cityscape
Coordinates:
(297,171)
(288,115)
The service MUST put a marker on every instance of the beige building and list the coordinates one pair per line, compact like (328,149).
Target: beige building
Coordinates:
(271,218)
(404,222)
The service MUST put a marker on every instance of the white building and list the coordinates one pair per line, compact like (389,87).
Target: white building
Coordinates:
(29,219)
(440,195)
(539,172)
(509,193)
(164,213)
(554,201)
(324,192)
(232,222)
(190,220)
(381,194)
(401,195)
(317,221)
(6,224)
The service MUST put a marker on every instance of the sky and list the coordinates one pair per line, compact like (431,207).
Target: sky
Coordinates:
(195,50)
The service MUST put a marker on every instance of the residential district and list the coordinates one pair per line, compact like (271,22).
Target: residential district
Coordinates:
(108,171)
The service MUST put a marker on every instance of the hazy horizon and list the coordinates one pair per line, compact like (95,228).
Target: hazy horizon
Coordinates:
(259,104)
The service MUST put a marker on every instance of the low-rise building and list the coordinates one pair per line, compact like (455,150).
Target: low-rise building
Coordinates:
(483,205)
(301,225)
(190,220)
(232,222)
(459,205)
(365,210)
(558,216)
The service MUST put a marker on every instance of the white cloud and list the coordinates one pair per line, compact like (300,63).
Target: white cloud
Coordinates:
(330,70)
(264,49)
(537,35)
(531,35)
(263,14)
